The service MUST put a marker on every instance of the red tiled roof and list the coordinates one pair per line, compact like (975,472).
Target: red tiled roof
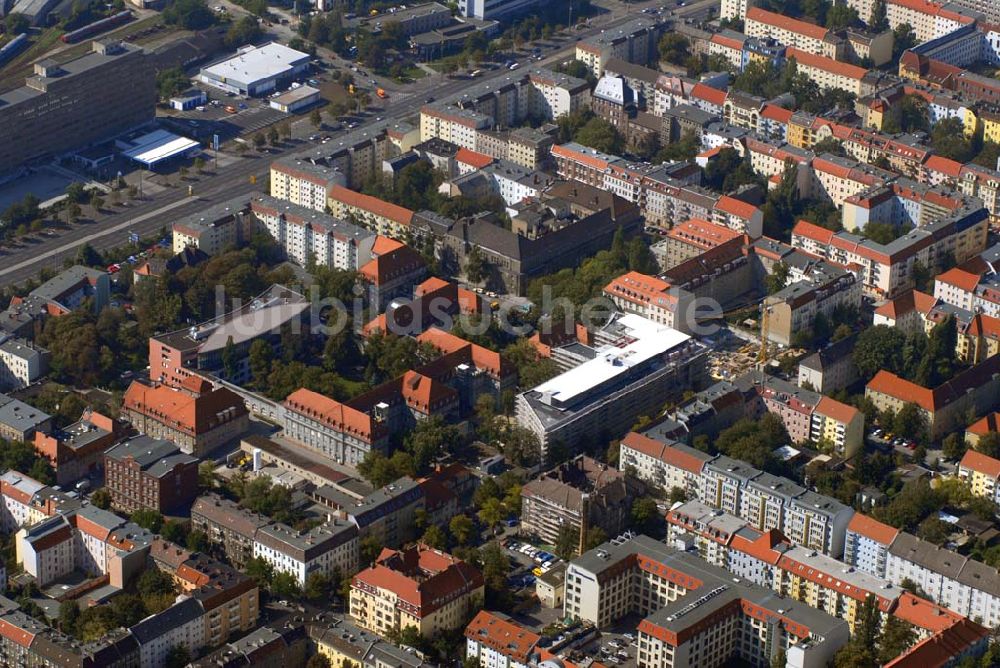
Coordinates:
(888,383)
(836,410)
(943,165)
(332,413)
(728,42)
(701,233)
(959,278)
(591,161)
(871,528)
(786,23)
(985,425)
(472,158)
(482,358)
(826,64)
(775,113)
(909,301)
(426,394)
(391,260)
(663,452)
(422,578)
(924,614)
(941,648)
(981,463)
(504,636)
(736,207)
(393,212)
(709,94)
(812,231)
(179,410)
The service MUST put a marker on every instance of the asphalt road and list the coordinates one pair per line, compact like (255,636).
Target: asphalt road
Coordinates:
(160,210)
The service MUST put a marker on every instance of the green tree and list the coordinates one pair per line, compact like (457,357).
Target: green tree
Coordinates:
(148,519)
(903,38)
(776,280)
(69,615)
(189,14)
(645,515)
(600,135)
(989,444)
(461,528)
(674,48)
(879,347)
(17,23)
(491,513)
(101,498)
(839,17)
(318,661)
(567,542)
(230,359)
(878,21)
(272,136)
(435,537)
(910,422)
(244,31)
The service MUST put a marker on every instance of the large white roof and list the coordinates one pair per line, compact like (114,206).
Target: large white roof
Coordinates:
(645,339)
(257,63)
(159,145)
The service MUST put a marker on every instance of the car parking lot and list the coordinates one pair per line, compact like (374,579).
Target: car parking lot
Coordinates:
(530,563)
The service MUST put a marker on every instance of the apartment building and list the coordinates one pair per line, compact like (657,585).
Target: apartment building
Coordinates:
(87,539)
(77,450)
(151,474)
(694,613)
(308,236)
(223,226)
(387,515)
(689,239)
(195,416)
(339,640)
(193,352)
(61,294)
(633,42)
(981,473)
(331,547)
(981,427)
(228,526)
(666,465)
(793,33)
(376,215)
(943,407)
(25,501)
(417,587)
(580,494)
(653,299)
(866,544)
(887,269)
(20,421)
(815,287)
(392,271)
(829,73)
(831,368)
(180,625)
(21,363)
(337,430)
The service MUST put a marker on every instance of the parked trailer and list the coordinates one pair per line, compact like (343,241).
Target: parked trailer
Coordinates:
(13,47)
(97,27)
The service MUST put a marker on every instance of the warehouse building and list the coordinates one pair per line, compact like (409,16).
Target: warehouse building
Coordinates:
(79,103)
(256,70)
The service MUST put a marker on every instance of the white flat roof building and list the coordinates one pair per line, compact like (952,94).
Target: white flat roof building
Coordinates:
(638,364)
(157,146)
(255,70)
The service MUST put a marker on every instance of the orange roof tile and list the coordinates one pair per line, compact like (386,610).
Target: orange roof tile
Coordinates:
(836,410)
(892,385)
(701,233)
(472,158)
(579,156)
(909,301)
(663,452)
(641,289)
(736,207)
(812,231)
(985,425)
(393,212)
(977,461)
(179,410)
(871,528)
(786,23)
(942,648)
(959,278)
(943,165)
(502,635)
(709,94)
(775,113)
(728,42)
(332,413)
(826,64)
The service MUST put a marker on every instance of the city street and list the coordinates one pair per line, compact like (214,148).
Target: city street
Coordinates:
(162,208)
